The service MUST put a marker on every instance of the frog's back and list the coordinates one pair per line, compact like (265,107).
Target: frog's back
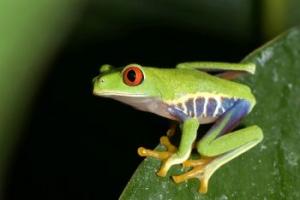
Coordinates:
(192,93)
(181,83)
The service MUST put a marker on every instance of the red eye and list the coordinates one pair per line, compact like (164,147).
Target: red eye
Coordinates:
(133,76)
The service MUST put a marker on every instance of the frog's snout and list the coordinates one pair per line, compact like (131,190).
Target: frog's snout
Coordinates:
(97,79)
(97,84)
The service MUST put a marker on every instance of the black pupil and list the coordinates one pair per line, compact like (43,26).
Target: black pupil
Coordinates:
(131,75)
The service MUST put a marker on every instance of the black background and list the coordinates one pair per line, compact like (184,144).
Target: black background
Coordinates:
(78,146)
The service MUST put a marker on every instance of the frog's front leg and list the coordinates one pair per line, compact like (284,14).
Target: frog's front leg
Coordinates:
(189,134)
(175,156)
(161,155)
(218,149)
(164,140)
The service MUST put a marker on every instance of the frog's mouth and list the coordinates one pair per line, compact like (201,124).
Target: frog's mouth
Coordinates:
(111,94)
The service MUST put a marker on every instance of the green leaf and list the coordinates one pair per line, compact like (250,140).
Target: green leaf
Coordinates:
(270,170)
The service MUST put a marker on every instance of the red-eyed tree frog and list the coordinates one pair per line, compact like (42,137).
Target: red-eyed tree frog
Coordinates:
(193,93)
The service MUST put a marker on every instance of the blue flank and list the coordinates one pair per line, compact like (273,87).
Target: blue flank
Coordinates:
(190,107)
(177,113)
(211,107)
(177,110)
(232,117)
(227,103)
(199,106)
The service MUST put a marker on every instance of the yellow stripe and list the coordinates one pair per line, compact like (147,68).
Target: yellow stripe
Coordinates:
(184,98)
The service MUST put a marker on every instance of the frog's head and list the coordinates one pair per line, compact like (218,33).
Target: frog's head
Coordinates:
(131,81)
(133,85)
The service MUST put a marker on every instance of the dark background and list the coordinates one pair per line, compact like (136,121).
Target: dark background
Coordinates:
(78,146)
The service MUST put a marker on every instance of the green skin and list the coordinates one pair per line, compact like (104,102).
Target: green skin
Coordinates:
(162,87)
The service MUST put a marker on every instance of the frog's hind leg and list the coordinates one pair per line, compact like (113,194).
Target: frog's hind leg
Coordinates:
(219,149)
(223,70)
(203,169)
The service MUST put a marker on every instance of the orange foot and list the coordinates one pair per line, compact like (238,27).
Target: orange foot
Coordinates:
(200,170)
(161,155)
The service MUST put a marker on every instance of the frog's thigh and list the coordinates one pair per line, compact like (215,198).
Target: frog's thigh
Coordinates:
(230,141)
(215,142)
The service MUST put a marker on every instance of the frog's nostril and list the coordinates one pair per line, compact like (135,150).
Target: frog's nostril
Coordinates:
(101,80)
